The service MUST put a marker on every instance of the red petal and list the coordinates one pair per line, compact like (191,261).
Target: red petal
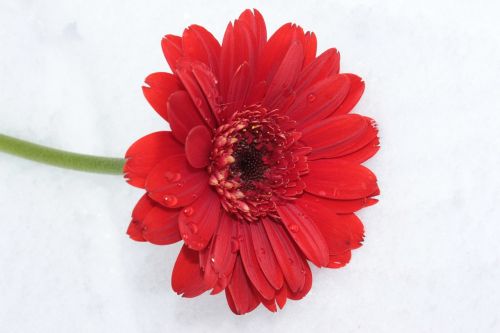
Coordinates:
(153,223)
(357,87)
(227,61)
(275,50)
(198,222)
(342,232)
(223,254)
(146,153)
(319,101)
(192,85)
(307,284)
(324,66)
(338,136)
(238,47)
(286,76)
(208,84)
(317,207)
(286,254)
(174,183)
(269,304)
(281,297)
(238,91)
(241,293)
(364,153)
(251,264)
(310,47)
(134,231)
(172,50)
(356,228)
(265,255)
(182,114)
(230,302)
(160,226)
(141,210)
(209,275)
(187,277)
(256,25)
(305,233)
(198,146)
(339,260)
(158,88)
(200,45)
(339,179)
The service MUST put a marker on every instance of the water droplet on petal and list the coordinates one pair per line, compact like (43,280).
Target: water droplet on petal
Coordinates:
(311,98)
(290,260)
(262,251)
(170,200)
(198,102)
(185,236)
(322,193)
(172,176)
(193,227)
(188,211)
(293,227)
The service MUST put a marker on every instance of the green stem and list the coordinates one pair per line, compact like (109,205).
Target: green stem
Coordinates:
(60,158)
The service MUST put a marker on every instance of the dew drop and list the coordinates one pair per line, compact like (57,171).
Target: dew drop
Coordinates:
(262,251)
(311,98)
(198,102)
(172,176)
(193,227)
(188,211)
(290,260)
(195,196)
(293,227)
(170,200)
(185,236)
(322,193)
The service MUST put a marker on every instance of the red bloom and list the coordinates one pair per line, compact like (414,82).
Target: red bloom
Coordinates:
(261,171)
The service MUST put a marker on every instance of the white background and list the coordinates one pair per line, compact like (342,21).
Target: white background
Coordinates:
(70,77)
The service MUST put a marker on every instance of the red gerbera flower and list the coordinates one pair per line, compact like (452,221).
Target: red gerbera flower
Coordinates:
(261,171)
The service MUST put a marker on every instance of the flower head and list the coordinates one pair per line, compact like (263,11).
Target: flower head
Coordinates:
(260,173)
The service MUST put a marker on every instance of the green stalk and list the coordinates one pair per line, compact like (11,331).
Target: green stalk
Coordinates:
(60,158)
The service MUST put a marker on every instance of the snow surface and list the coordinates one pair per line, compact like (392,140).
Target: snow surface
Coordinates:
(70,77)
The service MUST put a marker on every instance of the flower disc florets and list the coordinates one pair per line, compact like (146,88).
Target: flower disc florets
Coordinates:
(257,162)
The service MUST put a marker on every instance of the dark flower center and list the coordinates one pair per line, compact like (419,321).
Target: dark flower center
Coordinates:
(248,162)
(256,161)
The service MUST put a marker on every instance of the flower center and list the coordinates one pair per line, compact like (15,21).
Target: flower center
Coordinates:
(248,162)
(256,162)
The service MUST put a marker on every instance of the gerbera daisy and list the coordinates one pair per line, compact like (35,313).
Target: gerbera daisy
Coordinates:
(260,173)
